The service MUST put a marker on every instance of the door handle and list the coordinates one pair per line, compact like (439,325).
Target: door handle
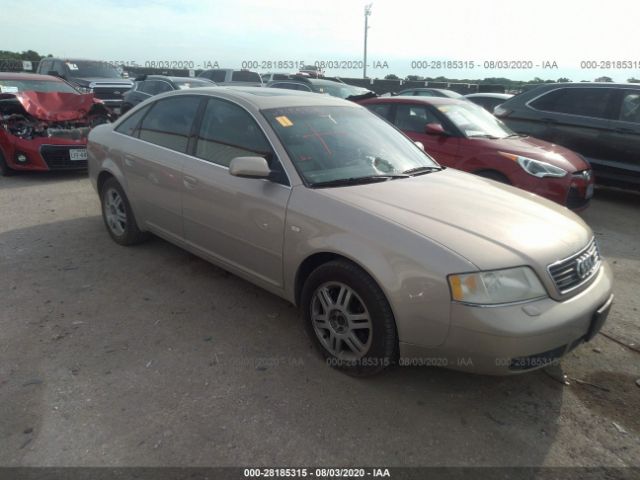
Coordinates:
(624,130)
(189,182)
(129,160)
(549,120)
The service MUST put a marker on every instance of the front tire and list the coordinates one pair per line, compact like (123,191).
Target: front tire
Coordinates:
(349,319)
(118,216)
(5,170)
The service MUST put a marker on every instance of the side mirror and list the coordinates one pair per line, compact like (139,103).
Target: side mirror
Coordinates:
(434,129)
(249,167)
(420,145)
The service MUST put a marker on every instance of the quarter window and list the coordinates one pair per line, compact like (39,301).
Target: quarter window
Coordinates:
(169,122)
(588,102)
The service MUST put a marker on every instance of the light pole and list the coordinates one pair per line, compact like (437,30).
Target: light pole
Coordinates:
(367,12)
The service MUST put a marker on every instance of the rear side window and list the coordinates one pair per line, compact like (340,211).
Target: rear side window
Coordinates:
(588,102)
(130,125)
(381,109)
(228,131)
(630,109)
(154,87)
(217,76)
(169,122)
(245,76)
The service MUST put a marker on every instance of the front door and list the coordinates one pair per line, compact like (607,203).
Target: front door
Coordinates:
(233,220)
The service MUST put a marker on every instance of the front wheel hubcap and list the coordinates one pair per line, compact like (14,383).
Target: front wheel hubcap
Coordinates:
(341,321)
(114,212)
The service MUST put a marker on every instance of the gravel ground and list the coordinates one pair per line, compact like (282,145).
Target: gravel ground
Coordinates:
(149,356)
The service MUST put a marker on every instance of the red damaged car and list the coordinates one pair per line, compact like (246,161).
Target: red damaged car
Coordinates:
(44,123)
(461,135)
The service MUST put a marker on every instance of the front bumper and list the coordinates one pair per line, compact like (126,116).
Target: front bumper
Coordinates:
(517,338)
(44,154)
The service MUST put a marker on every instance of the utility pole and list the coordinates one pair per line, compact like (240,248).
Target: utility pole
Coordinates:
(367,12)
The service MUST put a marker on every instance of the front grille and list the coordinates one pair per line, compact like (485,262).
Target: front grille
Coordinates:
(575,200)
(109,93)
(57,157)
(572,272)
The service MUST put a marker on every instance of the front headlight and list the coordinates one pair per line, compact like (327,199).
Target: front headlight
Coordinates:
(496,286)
(536,168)
(85,89)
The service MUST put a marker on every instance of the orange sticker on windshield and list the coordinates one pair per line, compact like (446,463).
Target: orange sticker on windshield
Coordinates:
(284,121)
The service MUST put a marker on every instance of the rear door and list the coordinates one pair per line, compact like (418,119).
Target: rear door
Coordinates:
(153,163)
(624,139)
(233,220)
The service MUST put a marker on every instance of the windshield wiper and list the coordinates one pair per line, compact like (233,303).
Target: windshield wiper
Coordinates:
(484,135)
(358,180)
(516,135)
(422,170)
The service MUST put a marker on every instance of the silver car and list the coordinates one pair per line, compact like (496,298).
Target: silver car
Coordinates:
(391,257)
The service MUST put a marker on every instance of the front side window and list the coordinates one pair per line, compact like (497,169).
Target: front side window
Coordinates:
(169,122)
(630,109)
(228,131)
(474,121)
(414,118)
(329,144)
(588,102)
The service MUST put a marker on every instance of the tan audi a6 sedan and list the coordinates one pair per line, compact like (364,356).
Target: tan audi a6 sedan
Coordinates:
(392,258)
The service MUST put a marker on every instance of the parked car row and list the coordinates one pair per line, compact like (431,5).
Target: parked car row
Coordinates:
(600,121)
(462,135)
(388,253)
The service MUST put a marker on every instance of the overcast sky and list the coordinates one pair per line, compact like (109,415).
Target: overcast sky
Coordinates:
(402,31)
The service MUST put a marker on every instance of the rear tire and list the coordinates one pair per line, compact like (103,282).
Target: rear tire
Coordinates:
(5,170)
(494,175)
(349,319)
(118,216)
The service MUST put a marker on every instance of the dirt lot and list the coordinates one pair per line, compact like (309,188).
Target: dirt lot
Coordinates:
(150,356)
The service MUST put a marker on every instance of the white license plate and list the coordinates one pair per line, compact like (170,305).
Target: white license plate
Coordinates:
(589,193)
(78,154)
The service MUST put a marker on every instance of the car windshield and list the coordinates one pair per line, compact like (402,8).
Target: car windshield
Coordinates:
(84,68)
(340,90)
(475,121)
(192,83)
(331,144)
(15,86)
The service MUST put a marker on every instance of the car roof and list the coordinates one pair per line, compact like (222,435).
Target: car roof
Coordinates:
(264,98)
(489,95)
(27,76)
(429,89)
(176,79)
(413,99)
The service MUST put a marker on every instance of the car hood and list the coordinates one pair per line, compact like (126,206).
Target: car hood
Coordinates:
(86,81)
(53,106)
(538,150)
(490,224)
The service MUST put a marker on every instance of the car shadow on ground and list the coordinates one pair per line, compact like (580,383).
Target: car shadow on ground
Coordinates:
(162,341)
(20,179)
